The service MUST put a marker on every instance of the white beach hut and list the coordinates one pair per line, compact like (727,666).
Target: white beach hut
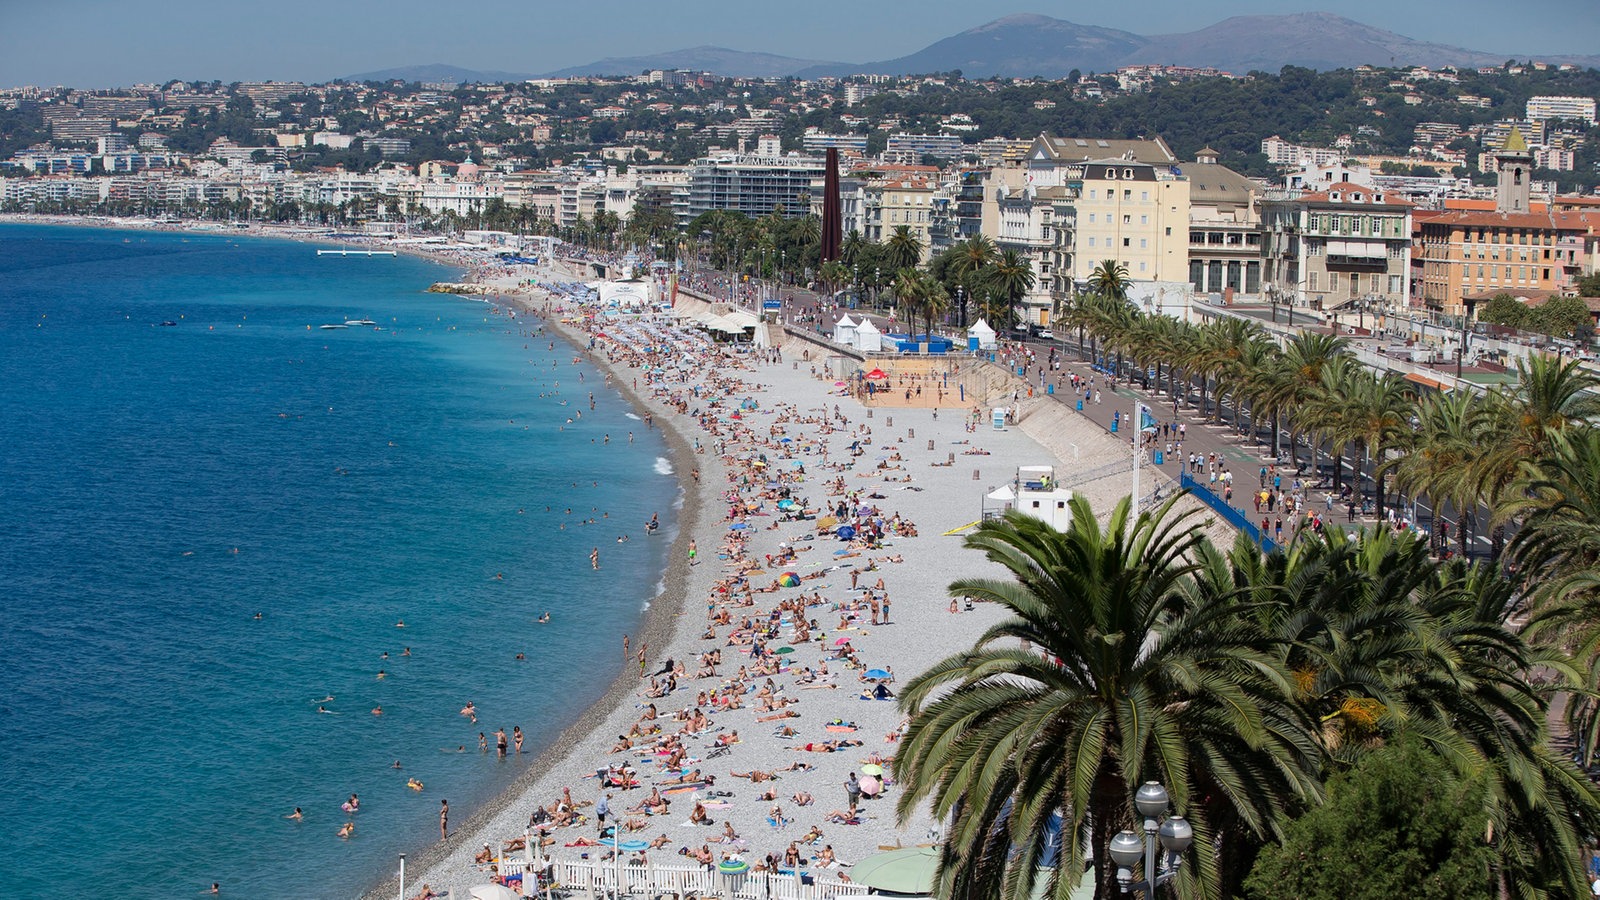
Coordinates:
(844,331)
(980,336)
(868,338)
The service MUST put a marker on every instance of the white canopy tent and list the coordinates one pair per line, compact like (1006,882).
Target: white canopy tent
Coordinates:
(980,336)
(868,338)
(844,331)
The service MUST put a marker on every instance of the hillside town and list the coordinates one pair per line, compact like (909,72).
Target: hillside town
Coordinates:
(1488,195)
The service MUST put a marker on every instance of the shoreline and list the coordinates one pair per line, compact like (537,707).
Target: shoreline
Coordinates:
(658,623)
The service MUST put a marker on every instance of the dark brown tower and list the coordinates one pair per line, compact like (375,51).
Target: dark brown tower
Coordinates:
(832,221)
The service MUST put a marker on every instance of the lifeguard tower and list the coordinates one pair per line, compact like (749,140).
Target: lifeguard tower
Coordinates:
(1034,492)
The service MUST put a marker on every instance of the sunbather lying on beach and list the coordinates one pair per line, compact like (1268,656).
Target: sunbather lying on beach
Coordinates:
(756,775)
(786,714)
(660,842)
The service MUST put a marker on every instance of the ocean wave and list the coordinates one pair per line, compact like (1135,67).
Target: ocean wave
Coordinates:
(663,466)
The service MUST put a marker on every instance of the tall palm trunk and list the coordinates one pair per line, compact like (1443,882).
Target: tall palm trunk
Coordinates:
(1109,815)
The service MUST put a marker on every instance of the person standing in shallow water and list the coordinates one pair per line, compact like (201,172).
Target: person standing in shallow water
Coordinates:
(444,819)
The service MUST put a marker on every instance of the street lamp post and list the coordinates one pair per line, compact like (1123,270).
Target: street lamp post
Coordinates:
(1127,848)
(961,306)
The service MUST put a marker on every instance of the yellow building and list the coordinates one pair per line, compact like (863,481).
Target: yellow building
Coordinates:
(1132,212)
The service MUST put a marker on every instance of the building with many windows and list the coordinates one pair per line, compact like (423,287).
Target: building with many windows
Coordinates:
(1580,109)
(752,185)
(912,148)
(815,141)
(1327,249)
(1224,228)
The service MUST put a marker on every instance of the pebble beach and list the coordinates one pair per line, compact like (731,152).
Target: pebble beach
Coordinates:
(772,658)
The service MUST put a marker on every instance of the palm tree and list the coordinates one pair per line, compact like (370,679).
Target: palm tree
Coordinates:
(1443,455)
(1324,412)
(1010,279)
(973,257)
(1125,673)
(833,273)
(1381,639)
(1305,355)
(1551,395)
(904,248)
(1109,279)
(1378,417)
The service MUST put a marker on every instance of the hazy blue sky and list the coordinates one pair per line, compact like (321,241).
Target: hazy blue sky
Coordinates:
(95,43)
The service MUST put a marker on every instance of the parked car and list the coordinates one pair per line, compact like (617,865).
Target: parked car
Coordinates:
(1046,334)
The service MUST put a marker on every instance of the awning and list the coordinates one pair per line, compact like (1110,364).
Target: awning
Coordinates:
(1427,382)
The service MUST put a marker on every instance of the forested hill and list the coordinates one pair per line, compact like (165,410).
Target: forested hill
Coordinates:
(1234,115)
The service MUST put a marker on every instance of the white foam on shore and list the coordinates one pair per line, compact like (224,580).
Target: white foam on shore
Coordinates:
(663,466)
(633,416)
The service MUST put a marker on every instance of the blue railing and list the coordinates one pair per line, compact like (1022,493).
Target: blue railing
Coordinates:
(1234,517)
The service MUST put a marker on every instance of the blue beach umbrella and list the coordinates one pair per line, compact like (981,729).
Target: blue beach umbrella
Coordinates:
(878,673)
(845,532)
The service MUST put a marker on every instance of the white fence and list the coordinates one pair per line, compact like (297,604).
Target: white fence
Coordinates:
(600,879)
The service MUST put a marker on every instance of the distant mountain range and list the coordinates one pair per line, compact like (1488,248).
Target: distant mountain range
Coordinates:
(1027,45)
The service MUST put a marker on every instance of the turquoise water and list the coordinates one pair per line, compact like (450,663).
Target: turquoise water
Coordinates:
(160,486)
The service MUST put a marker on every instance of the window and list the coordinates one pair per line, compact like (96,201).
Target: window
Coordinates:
(1128,174)
(1143,266)
(1091,218)
(1092,193)
(1111,174)
(1333,281)
(1394,285)
(1546,274)
(1091,242)
(1127,242)
(1169,231)
(1144,244)
(1127,220)
(1144,195)
(1144,220)
(1313,282)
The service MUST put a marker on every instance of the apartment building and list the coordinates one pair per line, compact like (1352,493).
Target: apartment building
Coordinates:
(1542,109)
(753,185)
(1327,248)
(1224,228)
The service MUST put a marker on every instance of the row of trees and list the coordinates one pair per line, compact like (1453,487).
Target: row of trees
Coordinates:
(1257,687)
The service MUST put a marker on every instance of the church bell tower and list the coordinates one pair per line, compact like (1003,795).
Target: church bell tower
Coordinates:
(1514,165)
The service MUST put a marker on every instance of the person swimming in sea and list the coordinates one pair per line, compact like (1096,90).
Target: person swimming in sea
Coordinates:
(297,815)
(326,711)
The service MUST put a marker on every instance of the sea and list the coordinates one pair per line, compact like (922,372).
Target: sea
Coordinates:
(229,537)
